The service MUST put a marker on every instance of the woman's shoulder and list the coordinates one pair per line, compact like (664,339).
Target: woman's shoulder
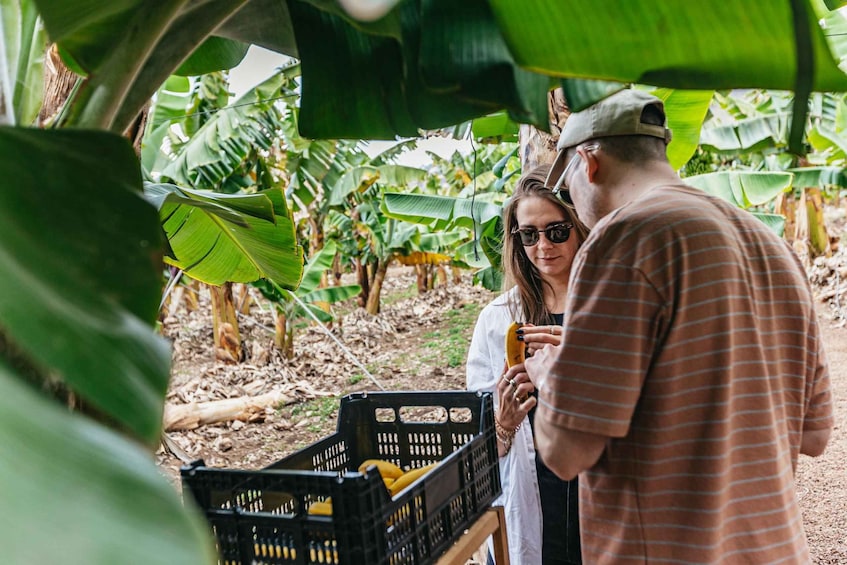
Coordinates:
(502,302)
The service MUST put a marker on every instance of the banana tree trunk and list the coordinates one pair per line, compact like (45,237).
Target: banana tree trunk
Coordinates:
(457,275)
(536,146)
(422,273)
(59,82)
(372,306)
(283,336)
(441,274)
(364,281)
(245,299)
(225,324)
(810,228)
(336,270)
(786,205)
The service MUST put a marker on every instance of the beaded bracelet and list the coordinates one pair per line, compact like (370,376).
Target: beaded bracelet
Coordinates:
(505,436)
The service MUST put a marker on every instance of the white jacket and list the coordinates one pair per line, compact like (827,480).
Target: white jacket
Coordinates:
(520,499)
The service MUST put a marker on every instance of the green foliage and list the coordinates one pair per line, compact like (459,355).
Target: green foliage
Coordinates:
(308,291)
(747,190)
(79,297)
(22,41)
(217,238)
(97,291)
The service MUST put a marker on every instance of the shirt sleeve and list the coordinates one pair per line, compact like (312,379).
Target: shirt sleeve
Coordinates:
(614,318)
(819,415)
(481,375)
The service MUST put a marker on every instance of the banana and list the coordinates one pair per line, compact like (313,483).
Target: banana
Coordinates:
(387,469)
(321,508)
(515,349)
(409,477)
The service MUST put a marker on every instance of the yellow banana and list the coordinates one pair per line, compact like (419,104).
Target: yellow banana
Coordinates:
(387,469)
(321,508)
(409,477)
(515,349)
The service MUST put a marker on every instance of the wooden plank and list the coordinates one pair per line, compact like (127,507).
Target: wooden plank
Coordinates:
(493,522)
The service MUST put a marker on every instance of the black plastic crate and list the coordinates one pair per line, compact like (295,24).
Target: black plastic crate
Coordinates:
(260,517)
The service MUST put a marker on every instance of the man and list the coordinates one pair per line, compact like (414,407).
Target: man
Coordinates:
(691,375)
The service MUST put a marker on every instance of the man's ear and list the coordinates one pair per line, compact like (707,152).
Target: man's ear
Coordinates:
(592,165)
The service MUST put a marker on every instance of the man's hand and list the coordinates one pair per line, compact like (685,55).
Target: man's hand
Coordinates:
(814,442)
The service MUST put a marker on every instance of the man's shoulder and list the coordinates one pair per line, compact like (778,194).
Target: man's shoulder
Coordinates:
(679,209)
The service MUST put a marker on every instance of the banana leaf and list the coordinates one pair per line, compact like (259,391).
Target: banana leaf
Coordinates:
(219,238)
(82,271)
(97,496)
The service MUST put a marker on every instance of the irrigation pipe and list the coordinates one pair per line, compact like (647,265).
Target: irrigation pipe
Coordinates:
(171,284)
(335,339)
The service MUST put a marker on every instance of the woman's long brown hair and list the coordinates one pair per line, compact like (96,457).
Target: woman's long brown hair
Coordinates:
(518,269)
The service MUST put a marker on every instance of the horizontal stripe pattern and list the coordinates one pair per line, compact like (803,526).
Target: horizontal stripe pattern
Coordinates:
(691,343)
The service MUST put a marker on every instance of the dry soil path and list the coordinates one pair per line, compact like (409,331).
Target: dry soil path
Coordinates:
(822,481)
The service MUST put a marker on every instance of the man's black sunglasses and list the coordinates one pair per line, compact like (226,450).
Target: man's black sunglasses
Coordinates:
(555,233)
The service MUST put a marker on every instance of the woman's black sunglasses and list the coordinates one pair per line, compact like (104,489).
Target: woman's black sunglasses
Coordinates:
(555,233)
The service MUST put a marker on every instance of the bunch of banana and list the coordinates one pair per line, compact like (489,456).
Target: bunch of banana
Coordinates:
(387,470)
(394,477)
(321,508)
(515,349)
(409,477)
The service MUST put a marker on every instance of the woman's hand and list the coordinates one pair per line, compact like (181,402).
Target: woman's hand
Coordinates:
(514,391)
(536,337)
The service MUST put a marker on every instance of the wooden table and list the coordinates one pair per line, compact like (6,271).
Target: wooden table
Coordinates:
(492,523)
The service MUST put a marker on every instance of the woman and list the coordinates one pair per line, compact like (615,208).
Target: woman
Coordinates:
(542,235)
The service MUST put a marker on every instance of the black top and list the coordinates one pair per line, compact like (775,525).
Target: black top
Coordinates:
(559,509)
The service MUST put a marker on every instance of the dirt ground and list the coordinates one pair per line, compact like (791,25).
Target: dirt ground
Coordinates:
(396,347)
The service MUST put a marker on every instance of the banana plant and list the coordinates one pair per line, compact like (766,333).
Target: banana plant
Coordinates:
(311,300)
(219,148)
(353,204)
(377,239)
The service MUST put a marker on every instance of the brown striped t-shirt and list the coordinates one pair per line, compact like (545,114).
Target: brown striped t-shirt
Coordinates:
(691,342)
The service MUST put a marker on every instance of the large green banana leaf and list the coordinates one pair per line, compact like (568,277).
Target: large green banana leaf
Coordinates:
(743,188)
(82,269)
(699,45)
(218,238)
(78,297)
(438,212)
(97,497)
(443,62)
(747,189)
(359,179)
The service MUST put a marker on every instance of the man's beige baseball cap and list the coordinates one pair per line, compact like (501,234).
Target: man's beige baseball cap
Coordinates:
(618,114)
